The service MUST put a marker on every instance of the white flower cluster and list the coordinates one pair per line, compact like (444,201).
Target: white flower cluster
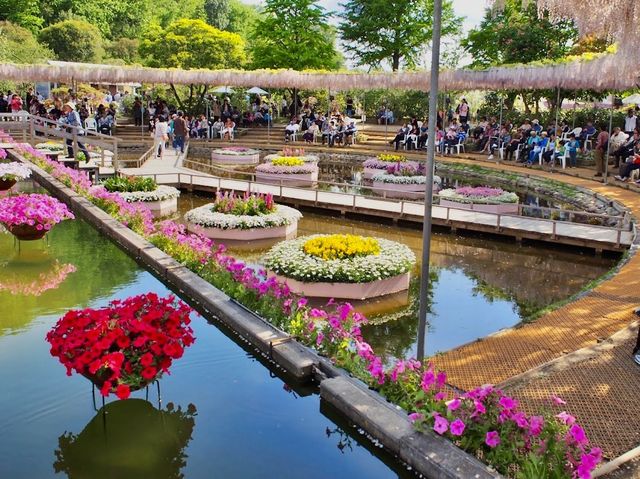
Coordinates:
(14,171)
(162,192)
(50,146)
(506,197)
(401,180)
(235,151)
(204,216)
(289,259)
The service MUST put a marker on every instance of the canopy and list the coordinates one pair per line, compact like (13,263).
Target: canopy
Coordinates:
(632,100)
(257,91)
(223,89)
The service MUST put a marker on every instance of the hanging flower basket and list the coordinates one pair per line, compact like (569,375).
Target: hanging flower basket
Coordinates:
(30,217)
(10,173)
(7,184)
(125,346)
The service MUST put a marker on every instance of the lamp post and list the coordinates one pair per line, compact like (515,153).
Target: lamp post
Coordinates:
(430,166)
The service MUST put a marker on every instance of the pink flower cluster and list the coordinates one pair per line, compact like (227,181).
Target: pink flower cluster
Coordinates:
(272,169)
(46,281)
(479,191)
(136,216)
(383,165)
(3,154)
(41,211)
(74,179)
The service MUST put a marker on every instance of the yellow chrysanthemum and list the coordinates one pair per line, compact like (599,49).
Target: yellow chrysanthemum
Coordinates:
(287,161)
(391,158)
(341,246)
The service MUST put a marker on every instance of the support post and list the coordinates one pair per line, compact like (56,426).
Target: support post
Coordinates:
(557,109)
(606,158)
(430,166)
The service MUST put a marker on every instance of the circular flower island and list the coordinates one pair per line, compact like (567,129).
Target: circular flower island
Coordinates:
(243,218)
(235,155)
(402,180)
(341,266)
(288,170)
(162,200)
(480,198)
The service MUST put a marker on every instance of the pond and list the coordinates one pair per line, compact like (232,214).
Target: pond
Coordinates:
(479,285)
(222,414)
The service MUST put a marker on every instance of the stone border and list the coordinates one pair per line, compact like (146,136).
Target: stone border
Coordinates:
(251,234)
(429,454)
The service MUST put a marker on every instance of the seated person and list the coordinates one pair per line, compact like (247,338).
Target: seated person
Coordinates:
(538,148)
(513,144)
(400,135)
(532,141)
(311,133)
(290,130)
(217,127)
(228,130)
(202,126)
(633,163)
(105,123)
(423,134)
(350,132)
(586,133)
(626,149)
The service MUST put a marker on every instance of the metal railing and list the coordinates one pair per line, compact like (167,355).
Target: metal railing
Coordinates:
(35,129)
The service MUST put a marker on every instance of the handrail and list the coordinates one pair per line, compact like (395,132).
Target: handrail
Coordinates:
(571,214)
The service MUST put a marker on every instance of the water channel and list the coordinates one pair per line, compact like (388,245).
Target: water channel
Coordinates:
(223,414)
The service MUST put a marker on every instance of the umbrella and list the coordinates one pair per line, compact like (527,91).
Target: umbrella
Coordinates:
(224,89)
(633,99)
(257,91)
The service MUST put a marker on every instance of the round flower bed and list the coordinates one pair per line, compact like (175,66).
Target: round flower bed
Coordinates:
(162,200)
(243,218)
(373,166)
(30,217)
(288,170)
(484,199)
(341,266)
(50,147)
(400,180)
(235,155)
(124,346)
(11,173)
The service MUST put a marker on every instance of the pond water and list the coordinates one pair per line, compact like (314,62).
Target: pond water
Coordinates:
(222,413)
(480,285)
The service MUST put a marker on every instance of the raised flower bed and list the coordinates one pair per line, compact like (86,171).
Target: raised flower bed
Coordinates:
(401,180)
(125,346)
(235,155)
(288,170)
(161,200)
(481,198)
(298,153)
(341,266)
(11,173)
(243,218)
(30,217)
(378,165)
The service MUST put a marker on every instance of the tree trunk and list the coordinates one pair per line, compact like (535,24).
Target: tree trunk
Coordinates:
(175,94)
(395,65)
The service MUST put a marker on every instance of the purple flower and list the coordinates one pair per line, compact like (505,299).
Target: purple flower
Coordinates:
(440,425)
(566,418)
(558,401)
(428,379)
(578,435)
(536,423)
(457,427)
(416,416)
(492,439)
(508,403)
(454,405)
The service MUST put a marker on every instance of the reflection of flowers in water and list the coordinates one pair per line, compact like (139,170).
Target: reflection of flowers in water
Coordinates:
(45,281)
(128,438)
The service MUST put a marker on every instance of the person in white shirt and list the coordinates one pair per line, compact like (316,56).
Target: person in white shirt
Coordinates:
(108,98)
(630,122)
(618,138)
(290,130)
(160,136)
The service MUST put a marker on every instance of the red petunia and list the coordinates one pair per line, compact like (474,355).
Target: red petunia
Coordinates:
(149,373)
(123,391)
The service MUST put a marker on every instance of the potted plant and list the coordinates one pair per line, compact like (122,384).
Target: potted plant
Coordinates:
(10,173)
(124,346)
(480,198)
(30,217)
(162,200)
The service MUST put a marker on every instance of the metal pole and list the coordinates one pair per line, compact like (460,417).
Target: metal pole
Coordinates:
(269,112)
(606,158)
(501,108)
(430,166)
(557,109)
(386,125)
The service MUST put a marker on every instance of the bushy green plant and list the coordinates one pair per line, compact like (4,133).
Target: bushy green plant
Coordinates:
(126,184)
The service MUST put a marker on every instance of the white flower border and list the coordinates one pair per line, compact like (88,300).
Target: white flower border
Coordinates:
(505,198)
(205,217)
(161,193)
(289,259)
(401,180)
(224,151)
(14,171)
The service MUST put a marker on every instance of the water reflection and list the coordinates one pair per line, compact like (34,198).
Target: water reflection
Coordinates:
(129,439)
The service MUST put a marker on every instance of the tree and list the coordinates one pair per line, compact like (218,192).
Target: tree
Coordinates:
(189,44)
(294,34)
(74,40)
(168,11)
(18,45)
(242,18)
(375,32)
(217,12)
(24,13)
(125,49)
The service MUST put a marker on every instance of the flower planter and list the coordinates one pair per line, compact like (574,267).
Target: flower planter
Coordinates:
(288,179)
(396,190)
(7,184)
(27,232)
(251,157)
(369,173)
(162,201)
(253,234)
(161,208)
(500,209)
(359,291)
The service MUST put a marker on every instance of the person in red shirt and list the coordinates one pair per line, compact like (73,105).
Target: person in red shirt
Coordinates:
(16,103)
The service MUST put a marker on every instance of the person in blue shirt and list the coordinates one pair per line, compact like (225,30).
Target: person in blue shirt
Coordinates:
(536,126)
(586,133)
(573,146)
(71,118)
(539,147)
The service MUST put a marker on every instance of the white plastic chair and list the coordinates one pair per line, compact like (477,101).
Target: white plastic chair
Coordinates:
(458,146)
(90,124)
(410,139)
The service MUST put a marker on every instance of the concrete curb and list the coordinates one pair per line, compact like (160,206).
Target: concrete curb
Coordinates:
(431,455)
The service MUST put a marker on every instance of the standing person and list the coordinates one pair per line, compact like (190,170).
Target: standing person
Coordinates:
(16,103)
(350,111)
(137,112)
(160,136)
(630,122)
(71,118)
(180,131)
(600,150)
(463,111)
(573,146)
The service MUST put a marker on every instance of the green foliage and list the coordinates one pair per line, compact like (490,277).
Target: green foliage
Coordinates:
(192,44)
(217,12)
(168,11)
(24,13)
(125,49)
(393,31)
(74,40)
(18,45)
(129,185)
(242,18)
(294,34)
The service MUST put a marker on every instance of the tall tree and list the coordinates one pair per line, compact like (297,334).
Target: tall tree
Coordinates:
(190,44)
(18,45)
(242,18)
(376,32)
(74,41)
(217,12)
(294,34)
(24,13)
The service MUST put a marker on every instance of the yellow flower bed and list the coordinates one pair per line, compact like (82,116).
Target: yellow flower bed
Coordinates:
(391,158)
(287,161)
(330,247)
